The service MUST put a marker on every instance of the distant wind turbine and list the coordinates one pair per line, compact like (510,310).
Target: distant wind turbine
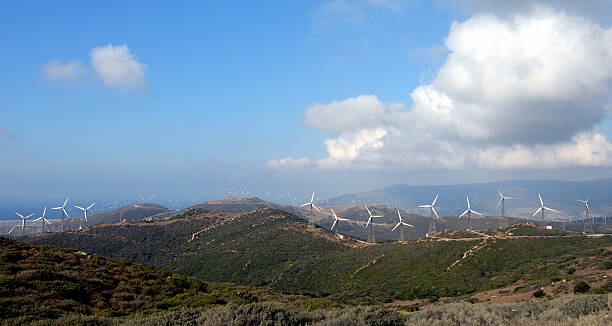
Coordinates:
(336,219)
(85,210)
(371,235)
(502,201)
(543,208)
(399,215)
(63,209)
(44,220)
(469,212)
(311,204)
(23,220)
(588,225)
(432,224)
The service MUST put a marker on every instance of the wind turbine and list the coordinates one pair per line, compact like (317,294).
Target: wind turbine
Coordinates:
(44,220)
(11,231)
(401,238)
(85,210)
(312,205)
(543,208)
(23,220)
(336,219)
(432,223)
(371,235)
(502,201)
(588,225)
(63,211)
(469,212)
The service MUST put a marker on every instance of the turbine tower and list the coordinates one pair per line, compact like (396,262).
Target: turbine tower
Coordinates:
(23,220)
(44,220)
(401,238)
(312,205)
(371,238)
(336,219)
(588,225)
(64,214)
(543,208)
(469,212)
(432,223)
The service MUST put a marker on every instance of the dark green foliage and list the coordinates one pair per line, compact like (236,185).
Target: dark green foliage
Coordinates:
(581,287)
(279,250)
(539,293)
(45,283)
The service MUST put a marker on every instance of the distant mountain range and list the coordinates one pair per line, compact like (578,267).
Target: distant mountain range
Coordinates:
(560,195)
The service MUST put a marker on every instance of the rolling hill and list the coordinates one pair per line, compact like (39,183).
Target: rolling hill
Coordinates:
(39,283)
(280,250)
(560,195)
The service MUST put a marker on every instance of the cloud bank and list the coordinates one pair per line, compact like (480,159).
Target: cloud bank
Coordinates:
(518,92)
(116,67)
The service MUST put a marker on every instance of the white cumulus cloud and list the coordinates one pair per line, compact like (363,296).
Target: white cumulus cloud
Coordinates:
(524,91)
(118,67)
(72,71)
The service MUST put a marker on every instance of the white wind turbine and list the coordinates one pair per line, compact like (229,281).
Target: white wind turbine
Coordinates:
(371,235)
(588,225)
(64,214)
(432,223)
(469,212)
(44,220)
(399,215)
(311,204)
(502,201)
(23,220)
(543,208)
(587,211)
(336,219)
(85,210)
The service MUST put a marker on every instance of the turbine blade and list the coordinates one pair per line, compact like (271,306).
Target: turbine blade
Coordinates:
(300,205)
(312,198)
(433,209)
(499,203)
(65,202)
(425,206)
(45,211)
(19,215)
(536,212)
(315,207)
(377,216)
(334,213)
(63,210)
(406,224)
(399,215)
(477,213)
(435,199)
(336,221)
(552,210)
(468,201)
(25,218)
(395,227)
(57,207)
(90,206)
(79,207)
(369,220)
(367,209)
(460,216)
(541,201)
(37,219)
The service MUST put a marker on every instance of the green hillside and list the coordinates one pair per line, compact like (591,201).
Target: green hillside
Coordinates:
(45,283)
(279,250)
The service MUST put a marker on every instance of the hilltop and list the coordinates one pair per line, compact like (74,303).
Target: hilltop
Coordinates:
(280,250)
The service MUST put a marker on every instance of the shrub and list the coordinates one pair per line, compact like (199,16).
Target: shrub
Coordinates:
(539,293)
(581,287)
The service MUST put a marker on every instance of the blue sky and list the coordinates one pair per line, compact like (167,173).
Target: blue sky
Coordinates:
(221,94)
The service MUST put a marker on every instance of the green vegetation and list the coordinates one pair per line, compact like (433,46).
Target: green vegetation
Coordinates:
(581,287)
(46,283)
(280,251)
